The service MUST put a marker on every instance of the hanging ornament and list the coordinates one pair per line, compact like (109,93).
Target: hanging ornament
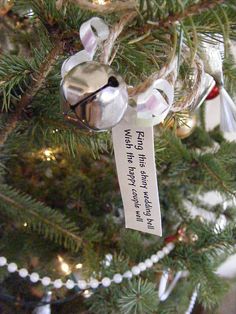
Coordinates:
(213,93)
(182,235)
(94,96)
(212,57)
(165,290)
(44,308)
(186,126)
(193,300)
(154,104)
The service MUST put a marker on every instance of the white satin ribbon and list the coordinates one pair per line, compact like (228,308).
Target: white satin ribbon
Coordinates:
(227,112)
(164,291)
(154,104)
(92,33)
(212,58)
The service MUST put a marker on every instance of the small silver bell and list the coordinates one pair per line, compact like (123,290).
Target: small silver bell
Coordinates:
(94,96)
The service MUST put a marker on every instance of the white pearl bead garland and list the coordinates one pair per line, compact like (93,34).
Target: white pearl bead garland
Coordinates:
(148,263)
(93,283)
(82,284)
(58,283)
(160,254)
(70,284)
(12,267)
(136,270)
(3,261)
(154,258)
(117,278)
(23,272)
(128,274)
(34,277)
(106,282)
(142,266)
(46,281)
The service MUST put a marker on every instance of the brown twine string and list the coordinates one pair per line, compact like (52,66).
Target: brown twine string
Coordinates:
(166,72)
(163,73)
(170,75)
(114,34)
(189,101)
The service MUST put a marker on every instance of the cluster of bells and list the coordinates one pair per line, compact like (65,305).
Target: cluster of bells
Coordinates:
(182,236)
(95,98)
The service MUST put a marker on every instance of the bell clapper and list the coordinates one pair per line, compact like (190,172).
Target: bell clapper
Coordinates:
(112,82)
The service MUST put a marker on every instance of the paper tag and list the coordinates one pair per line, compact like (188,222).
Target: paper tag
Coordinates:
(135,162)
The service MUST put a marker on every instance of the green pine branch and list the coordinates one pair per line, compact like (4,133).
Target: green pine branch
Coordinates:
(33,88)
(168,13)
(49,223)
(139,297)
(14,74)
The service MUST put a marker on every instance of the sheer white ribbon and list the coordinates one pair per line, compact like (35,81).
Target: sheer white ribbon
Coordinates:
(154,104)
(212,57)
(92,33)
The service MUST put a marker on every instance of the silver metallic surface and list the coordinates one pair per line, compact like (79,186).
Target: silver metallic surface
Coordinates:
(99,112)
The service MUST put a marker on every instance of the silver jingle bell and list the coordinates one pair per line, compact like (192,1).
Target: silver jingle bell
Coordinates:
(94,96)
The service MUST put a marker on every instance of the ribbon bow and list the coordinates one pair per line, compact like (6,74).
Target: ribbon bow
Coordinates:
(154,104)
(212,57)
(90,41)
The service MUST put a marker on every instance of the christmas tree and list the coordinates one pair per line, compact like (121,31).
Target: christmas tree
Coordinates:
(72,72)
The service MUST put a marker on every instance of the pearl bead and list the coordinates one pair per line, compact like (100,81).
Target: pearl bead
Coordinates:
(160,254)
(94,283)
(46,281)
(34,277)
(154,258)
(117,278)
(3,261)
(165,250)
(82,284)
(142,266)
(148,263)
(12,267)
(128,274)
(58,283)
(170,246)
(70,284)
(23,272)
(106,282)
(135,270)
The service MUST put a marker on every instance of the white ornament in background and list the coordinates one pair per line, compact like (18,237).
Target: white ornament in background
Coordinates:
(164,290)
(212,54)
(192,301)
(46,308)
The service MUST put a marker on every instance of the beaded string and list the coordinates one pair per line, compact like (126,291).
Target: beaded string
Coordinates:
(92,283)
